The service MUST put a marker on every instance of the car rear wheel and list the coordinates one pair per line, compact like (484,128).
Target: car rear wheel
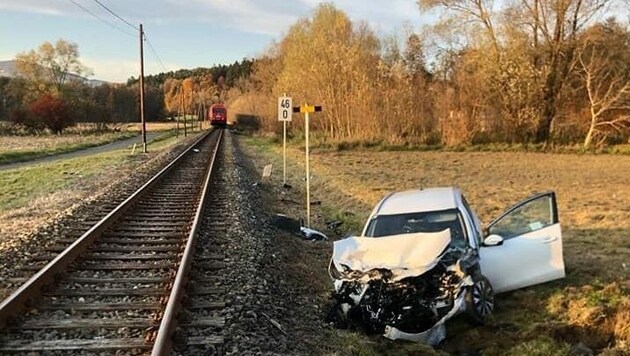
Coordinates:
(480,300)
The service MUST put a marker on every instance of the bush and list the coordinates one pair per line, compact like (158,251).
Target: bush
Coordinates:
(24,119)
(53,112)
(249,123)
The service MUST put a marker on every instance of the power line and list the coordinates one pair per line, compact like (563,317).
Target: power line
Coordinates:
(128,24)
(115,14)
(101,19)
(155,52)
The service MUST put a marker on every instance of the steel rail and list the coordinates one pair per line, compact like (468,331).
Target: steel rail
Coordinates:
(31,289)
(163,342)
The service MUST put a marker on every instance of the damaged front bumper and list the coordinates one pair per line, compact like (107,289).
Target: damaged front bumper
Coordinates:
(433,336)
(405,293)
(382,310)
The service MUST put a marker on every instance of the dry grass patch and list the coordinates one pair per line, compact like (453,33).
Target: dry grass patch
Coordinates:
(25,220)
(52,142)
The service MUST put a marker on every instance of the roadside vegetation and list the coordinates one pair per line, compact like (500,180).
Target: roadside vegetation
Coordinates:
(541,73)
(589,308)
(50,107)
(24,147)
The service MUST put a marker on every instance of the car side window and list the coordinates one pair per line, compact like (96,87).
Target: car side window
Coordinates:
(531,216)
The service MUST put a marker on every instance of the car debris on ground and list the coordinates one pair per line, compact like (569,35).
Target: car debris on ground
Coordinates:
(296,227)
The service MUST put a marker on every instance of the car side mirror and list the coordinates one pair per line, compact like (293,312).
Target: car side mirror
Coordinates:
(493,240)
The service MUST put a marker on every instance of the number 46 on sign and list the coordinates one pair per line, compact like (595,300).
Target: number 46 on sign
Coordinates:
(285,105)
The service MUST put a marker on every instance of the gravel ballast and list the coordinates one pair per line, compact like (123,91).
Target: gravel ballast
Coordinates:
(274,305)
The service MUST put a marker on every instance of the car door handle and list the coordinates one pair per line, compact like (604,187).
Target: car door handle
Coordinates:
(549,240)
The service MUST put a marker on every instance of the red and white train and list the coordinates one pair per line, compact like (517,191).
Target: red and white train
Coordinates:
(217,115)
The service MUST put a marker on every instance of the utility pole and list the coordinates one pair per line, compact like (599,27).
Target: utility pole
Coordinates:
(199,114)
(179,112)
(144,127)
(204,114)
(184,104)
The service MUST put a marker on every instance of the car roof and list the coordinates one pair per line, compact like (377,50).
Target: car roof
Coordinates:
(419,200)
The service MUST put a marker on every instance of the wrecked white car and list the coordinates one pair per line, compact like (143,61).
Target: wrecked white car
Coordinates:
(423,258)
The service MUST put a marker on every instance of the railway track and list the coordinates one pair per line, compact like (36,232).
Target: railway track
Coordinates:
(54,237)
(118,288)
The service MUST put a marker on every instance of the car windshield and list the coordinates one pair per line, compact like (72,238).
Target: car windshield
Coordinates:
(430,221)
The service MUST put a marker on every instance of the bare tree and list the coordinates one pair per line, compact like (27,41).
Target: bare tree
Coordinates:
(608,93)
(49,68)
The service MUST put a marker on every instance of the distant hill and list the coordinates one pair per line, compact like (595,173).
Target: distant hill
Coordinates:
(7,69)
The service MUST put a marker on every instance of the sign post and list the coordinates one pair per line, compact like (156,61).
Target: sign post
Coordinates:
(285,110)
(306,109)
(308,174)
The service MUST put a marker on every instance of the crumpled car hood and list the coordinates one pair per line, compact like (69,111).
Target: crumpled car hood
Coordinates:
(404,255)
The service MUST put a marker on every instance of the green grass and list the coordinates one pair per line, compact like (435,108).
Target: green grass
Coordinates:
(351,223)
(164,136)
(540,346)
(264,144)
(21,155)
(18,187)
(163,141)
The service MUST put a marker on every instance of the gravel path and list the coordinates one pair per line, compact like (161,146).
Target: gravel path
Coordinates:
(275,304)
(116,145)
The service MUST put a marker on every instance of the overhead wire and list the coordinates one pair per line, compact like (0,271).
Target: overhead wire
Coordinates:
(101,19)
(151,47)
(115,14)
(155,52)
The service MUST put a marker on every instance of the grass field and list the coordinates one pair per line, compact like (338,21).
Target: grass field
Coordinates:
(21,148)
(591,306)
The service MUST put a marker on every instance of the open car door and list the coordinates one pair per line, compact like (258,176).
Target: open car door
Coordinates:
(531,250)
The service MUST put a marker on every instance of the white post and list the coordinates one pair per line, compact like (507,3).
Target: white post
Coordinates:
(308,177)
(284,147)
(284,150)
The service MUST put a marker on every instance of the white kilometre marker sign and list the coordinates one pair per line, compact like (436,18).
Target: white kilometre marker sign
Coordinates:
(285,111)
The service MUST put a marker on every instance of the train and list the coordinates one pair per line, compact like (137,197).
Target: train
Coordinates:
(217,115)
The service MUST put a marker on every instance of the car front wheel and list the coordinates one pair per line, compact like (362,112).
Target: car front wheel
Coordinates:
(480,300)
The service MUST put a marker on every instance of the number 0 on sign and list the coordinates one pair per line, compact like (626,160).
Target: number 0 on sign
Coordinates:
(285,108)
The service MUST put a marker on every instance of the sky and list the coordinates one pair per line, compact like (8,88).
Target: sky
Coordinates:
(182,33)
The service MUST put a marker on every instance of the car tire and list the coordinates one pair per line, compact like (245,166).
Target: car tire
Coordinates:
(480,300)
